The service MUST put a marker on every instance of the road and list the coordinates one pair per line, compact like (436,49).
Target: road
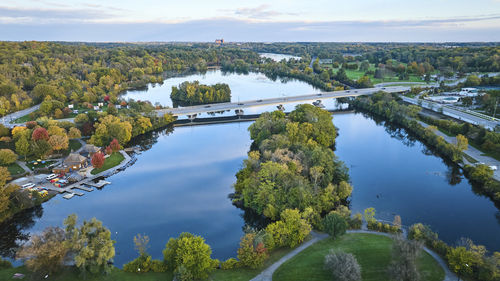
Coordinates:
(13,116)
(192,110)
(464,115)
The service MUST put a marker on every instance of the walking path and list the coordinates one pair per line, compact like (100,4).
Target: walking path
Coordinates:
(23,165)
(267,274)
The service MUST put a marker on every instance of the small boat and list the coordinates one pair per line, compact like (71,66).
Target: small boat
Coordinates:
(68,196)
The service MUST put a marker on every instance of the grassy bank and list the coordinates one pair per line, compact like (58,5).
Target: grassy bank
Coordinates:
(373,253)
(114,159)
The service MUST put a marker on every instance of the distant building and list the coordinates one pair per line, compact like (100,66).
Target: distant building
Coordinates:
(469,92)
(75,161)
(219,41)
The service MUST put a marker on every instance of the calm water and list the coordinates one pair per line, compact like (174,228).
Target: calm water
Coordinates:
(182,180)
(243,87)
(278,57)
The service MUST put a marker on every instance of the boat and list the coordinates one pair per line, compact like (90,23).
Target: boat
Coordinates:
(68,196)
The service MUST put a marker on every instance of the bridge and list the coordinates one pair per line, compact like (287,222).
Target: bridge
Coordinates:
(218,107)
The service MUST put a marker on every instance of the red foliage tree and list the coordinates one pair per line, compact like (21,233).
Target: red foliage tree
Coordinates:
(109,150)
(115,145)
(40,134)
(106,98)
(87,129)
(98,160)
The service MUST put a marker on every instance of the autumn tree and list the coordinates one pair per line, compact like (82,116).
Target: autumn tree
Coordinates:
(98,160)
(41,148)
(46,253)
(23,147)
(462,142)
(252,251)
(58,142)
(74,133)
(460,260)
(115,145)
(291,230)
(7,157)
(40,134)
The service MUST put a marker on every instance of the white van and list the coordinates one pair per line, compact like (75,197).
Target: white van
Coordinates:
(28,185)
(51,176)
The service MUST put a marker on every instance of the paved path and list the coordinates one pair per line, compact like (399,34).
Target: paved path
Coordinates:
(23,165)
(267,274)
(472,152)
(13,116)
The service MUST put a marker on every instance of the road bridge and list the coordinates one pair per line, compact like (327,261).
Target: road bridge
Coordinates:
(219,107)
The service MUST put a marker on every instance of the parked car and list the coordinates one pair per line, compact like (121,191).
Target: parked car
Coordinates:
(51,176)
(28,185)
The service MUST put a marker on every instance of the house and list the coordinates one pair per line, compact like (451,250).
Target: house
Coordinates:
(61,169)
(89,150)
(219,41)
(75,161)
(469,92)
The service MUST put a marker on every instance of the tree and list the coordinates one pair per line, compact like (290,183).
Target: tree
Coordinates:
(460,260)
(397,221)
(74,133)
(45,253)
(472,80)
(141,243)
(462,142)
(291,230)
(405,253)
(369,215)
(7,157)
(92,245)
(115,145)
(58,142)
(189,256)
(343,266)
(334,225)
(40,134)
(109,128)
(98,160)
(252,252)
(23,147)
(41,148)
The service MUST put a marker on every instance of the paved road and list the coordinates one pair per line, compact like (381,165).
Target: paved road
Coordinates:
(472,117)
(472,152)
(191,110)
(13,116)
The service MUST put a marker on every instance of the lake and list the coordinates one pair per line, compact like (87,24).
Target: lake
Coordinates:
(182,179)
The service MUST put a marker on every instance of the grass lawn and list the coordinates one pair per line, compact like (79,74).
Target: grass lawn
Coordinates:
(114,159)
(40,164)
(15,169)
(373,253)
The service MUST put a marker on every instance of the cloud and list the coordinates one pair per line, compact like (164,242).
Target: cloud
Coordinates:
(47,16)
(463,29)
(260,12)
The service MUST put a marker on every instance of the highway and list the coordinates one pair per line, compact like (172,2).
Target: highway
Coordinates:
(192,110)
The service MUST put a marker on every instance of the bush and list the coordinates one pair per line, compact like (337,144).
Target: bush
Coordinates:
(356,222)
(252,253)
(144,263)
(7,156)
(291,230)
(229,264)
(334,225)
(343,266)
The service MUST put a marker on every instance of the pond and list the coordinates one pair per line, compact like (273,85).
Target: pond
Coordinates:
(278,57)
(182,179)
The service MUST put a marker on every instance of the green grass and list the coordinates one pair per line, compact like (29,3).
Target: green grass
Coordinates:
(356,74)
(373,253)
(15,169)
(39,165)
(114,159)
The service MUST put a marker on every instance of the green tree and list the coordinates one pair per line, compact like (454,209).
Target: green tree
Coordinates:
(252,252)
(23,147)
(460,260)
(370,215)
(189,256)
(334,225)
(92,245)
(291,230)
(41,148)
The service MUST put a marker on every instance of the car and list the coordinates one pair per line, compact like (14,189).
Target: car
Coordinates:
(347,91)
(241,104)
(28,185)
(383,88)
(51,176)
(320,94)
(207,106)
(54,180)
(259,100)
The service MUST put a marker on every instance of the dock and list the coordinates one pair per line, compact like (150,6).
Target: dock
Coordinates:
(98,184)
(84,188)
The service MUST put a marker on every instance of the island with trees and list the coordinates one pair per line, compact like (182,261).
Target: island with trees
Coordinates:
(194,93)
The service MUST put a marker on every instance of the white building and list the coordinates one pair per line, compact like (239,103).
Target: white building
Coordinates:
(469,92)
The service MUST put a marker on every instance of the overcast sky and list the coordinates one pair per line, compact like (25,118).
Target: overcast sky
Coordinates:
(233,20)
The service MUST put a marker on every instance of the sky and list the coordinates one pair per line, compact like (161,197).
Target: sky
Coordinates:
(257,20)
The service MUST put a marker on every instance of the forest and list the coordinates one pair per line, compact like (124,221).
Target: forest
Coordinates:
(194,93)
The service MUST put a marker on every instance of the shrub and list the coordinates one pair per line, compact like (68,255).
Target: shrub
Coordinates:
(291,230)
(144,263)
(7,156)
(229,264)
(343,266)
(4,264)
(356,222)
(252,253)
(334,225)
